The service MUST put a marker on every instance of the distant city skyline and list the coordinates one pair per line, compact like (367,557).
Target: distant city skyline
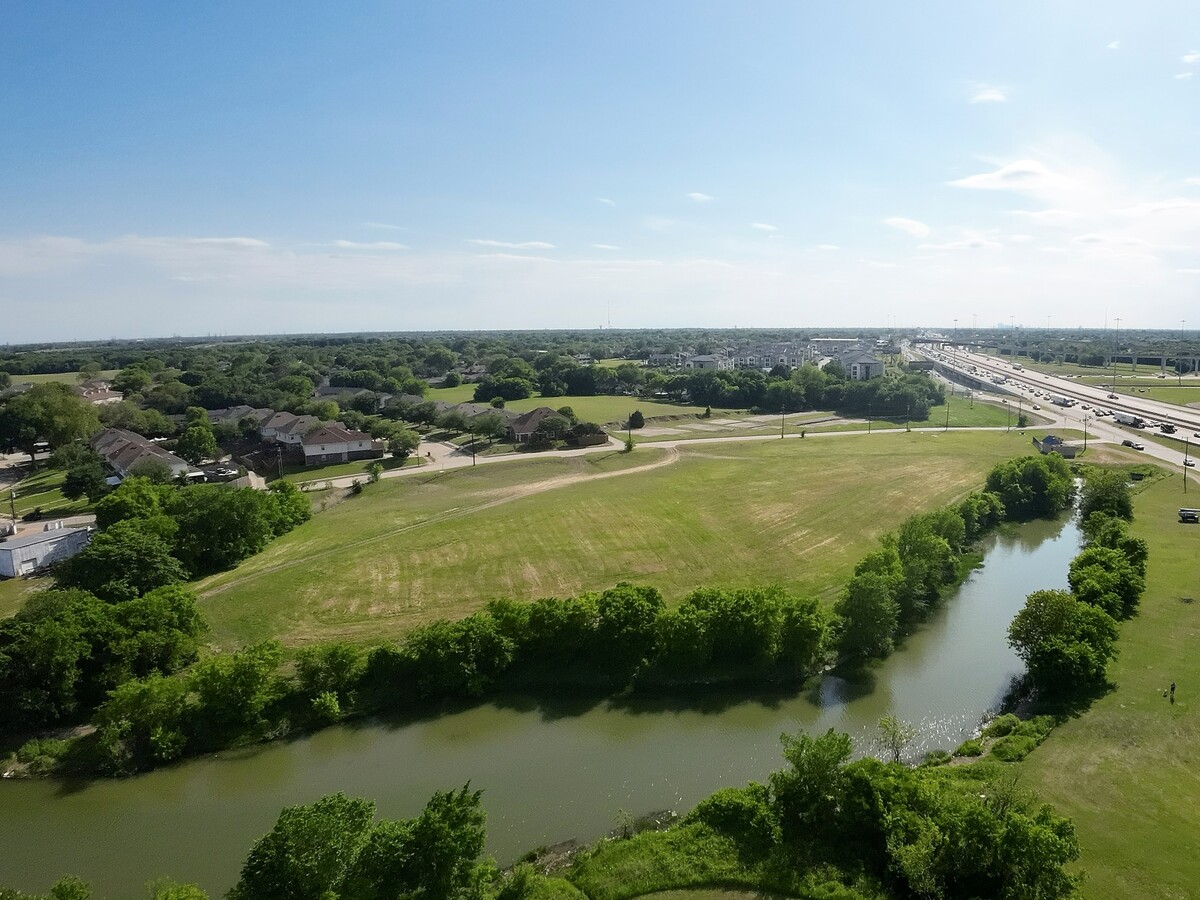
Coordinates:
(267,168)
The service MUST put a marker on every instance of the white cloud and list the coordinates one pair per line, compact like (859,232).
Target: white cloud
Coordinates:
(370,245)
(1188,271)
(1194,182)
(1184,76)
(1046,216)
(1023,176)
(1191,58)
(912,226)
(386,226)
(516,257)
(763,226)
(828,247)
(233,243)
(698,197)
(1020,238)
(510,245)
(971,242)
(985,93)
(1114,45)
(606,247)
(606,201)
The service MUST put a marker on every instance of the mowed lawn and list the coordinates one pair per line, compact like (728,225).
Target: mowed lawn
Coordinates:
(412,549)
(64,377)
(1126,770)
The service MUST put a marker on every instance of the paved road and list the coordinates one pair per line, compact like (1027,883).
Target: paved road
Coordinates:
(451,457)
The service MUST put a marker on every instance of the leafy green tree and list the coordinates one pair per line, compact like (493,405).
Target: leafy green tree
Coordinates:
(233,690)
(136,498)
(1033,486)
(869,616)
(218,527)
(626,619)
(1106,491)
(433,856)
(308,853)
(804,794)
(1103,530)
(1106,578)
(165,889)
(126,560)
(86,478)
(895,736)
(335,669)
(1065,643)
(636,419)
(403,442)
(49,412)
(143,722)
(197,444)
(132,380)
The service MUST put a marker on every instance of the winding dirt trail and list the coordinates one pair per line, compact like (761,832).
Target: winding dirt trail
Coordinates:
(496,498)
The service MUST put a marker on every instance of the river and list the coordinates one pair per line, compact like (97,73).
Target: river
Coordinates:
(548,772)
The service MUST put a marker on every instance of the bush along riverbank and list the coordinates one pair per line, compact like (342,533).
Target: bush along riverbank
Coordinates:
(622,639)
(821,827)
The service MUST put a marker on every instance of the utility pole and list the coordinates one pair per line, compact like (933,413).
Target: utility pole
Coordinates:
(947,428)
(1085,421)
(781,422)
(12,507)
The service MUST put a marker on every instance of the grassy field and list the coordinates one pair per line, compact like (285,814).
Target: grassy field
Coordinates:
(13,592)
(301,474)
(413,549)
(44,489)
(1125,770)
(64,377)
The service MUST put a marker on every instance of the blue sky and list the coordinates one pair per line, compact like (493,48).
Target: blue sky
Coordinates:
(247,168)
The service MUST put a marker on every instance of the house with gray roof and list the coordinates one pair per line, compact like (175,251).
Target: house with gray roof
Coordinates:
(28,553)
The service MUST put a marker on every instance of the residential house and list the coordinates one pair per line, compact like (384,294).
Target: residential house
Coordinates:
(334,442)
(97,392)
(234,415)
(28,553)
(287,428)
(521,428)
(708,361)
(123,450)
(860,365)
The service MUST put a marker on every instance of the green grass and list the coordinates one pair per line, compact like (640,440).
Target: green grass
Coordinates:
(1125,770)
(44,489)
(460,394)
(13,592)
(64,377)
(300,474)
(413,549)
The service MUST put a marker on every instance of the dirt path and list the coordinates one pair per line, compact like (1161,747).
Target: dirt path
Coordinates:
(495,498)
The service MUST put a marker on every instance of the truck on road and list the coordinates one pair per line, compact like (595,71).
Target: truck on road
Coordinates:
(1129,419)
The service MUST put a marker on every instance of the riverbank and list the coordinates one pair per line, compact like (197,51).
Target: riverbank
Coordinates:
(1124,769)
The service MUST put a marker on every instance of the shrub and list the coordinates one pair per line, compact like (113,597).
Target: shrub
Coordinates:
(1001,726)
(973,747)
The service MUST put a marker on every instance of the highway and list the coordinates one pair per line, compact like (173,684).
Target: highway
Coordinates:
(1185,420)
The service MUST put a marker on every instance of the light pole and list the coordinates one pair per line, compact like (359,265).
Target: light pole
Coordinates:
(12,507)
(868,417)
(1086,418)
(781,422)
(1008,411)
(947,427)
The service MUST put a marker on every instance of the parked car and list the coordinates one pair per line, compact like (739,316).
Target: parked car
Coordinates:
(1190,463)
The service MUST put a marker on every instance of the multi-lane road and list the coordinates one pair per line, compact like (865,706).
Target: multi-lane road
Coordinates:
(1024,381)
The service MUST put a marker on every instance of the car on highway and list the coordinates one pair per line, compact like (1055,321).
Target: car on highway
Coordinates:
(1190,463)
(1113,397)
(1035,406)
(1133,444)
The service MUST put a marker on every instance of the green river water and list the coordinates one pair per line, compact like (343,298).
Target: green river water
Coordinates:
(549,771)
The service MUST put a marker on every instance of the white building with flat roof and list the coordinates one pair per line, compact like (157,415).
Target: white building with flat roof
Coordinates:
(26,554)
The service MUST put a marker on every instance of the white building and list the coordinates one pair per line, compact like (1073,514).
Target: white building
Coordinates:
(26,554)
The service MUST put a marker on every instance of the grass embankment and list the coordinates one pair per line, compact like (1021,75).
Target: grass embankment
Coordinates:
(1125,770)
(414,549)
(301,474)
(44,489)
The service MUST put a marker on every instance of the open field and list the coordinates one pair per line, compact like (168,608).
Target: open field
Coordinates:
(413,549)
(1125,770)
(44,489)
(64,377)
(13,592)
(1183,396)
(300,474)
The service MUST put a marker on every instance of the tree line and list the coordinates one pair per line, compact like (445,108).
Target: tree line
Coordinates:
(895,587)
